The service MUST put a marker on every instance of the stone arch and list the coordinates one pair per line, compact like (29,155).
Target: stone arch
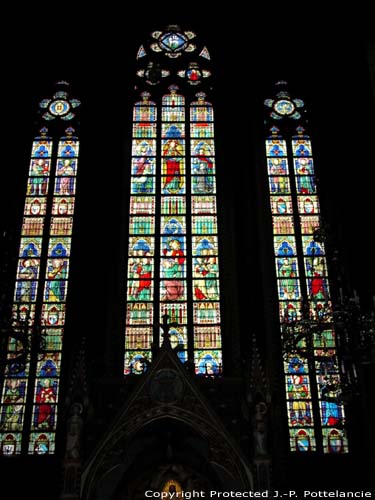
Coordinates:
(209,455)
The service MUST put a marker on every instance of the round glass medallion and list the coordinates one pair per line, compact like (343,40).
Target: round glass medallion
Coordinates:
(284,107)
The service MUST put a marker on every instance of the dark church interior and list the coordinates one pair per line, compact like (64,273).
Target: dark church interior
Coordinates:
(173,426)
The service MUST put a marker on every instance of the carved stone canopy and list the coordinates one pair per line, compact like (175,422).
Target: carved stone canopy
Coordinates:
(166,422)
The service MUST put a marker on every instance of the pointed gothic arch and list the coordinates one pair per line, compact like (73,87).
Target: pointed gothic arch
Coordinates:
(154,411)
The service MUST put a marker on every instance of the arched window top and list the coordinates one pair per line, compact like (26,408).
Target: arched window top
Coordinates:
(201,110)
(201,100)
(145,110)
(173,99)
(145,100)
(170,53)
(275,134)
(282,105)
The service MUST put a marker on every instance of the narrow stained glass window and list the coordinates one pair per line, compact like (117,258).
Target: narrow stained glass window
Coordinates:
(173,265)
(315,410)
(141,248)
(32,376)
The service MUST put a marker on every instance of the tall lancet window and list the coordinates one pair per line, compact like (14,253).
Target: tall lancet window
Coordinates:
(173,248)
(312,380)
(30,393)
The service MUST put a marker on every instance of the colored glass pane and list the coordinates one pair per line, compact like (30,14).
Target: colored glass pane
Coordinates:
(202,224)
(301,147)
(68,148)
(201,113)
(201,129)
(173,130)
(275,148)
(173,205)
(173,114)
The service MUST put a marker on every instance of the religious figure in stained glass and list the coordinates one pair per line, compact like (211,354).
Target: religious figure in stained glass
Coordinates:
(288,287)
(141,272)
(203,181)
(14,398)
(172,269)
(173,180)
(45,398)
(66,167)
(143,169)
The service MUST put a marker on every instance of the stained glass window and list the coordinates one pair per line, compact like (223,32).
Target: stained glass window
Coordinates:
(41,289)
(141,256)
(173,253)
(173,265)
(316,416)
